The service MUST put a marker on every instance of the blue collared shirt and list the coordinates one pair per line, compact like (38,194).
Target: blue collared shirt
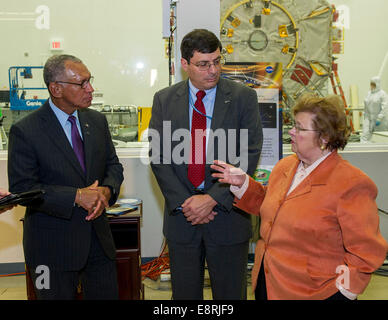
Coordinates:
(208,102)
(62,118)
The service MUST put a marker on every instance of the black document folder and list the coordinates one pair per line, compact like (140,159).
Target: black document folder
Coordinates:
(22,198)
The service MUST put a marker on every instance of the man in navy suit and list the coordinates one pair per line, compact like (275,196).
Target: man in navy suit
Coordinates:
(66,149)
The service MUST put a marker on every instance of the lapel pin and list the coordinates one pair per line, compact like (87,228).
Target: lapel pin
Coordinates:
(87,127)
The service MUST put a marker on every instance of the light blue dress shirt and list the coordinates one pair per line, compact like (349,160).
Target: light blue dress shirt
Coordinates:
(65,124)
(208,102)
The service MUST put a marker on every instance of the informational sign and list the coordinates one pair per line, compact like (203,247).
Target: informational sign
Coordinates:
(265,78)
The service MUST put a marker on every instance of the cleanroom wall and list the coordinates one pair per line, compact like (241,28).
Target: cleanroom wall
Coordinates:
(121,43)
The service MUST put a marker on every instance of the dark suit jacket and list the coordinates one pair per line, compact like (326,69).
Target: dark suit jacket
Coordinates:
(40,156)
(235,107)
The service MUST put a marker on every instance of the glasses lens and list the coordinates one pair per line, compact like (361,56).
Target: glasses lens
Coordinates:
(203,66)
(85,83)
(216,62)
(297,128)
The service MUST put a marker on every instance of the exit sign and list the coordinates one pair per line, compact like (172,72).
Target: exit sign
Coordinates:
(56,45)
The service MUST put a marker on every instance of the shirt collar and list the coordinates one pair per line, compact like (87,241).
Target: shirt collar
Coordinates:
(311,167)
(61,115)
(194,90)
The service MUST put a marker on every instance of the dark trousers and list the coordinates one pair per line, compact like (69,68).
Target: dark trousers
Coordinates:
(98,278)
(261,290)
(227,266)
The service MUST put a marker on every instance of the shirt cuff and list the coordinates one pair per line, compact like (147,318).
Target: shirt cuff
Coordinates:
(239,192)
(347,294)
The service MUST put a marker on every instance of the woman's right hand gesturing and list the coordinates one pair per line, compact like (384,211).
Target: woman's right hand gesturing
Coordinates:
(226,173)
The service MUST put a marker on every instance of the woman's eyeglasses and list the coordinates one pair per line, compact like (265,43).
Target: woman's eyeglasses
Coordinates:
(299,129)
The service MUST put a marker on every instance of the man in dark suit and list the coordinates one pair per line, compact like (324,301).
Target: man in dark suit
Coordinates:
(66,149)
(219,118)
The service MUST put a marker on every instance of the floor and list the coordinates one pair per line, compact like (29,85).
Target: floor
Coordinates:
(14,288)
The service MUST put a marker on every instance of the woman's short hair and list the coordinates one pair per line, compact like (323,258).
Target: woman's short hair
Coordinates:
(329,118)
(55,67)
(200,40)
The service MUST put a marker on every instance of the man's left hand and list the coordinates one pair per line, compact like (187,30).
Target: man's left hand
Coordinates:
(94,200)
(98,210)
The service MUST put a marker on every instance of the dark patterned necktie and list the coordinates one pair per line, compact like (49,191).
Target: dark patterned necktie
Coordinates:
(196,168)
(76,140)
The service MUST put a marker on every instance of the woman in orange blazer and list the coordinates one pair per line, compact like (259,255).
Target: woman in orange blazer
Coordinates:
(319,230)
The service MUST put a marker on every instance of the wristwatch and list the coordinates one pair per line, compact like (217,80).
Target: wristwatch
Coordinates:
(176,211)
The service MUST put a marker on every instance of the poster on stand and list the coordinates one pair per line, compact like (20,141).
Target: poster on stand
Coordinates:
(266,80)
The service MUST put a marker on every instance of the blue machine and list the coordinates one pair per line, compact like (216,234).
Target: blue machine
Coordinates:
(17,94)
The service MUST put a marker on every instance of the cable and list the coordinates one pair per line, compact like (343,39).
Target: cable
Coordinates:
(12,274)
(171,71)
(156,267)
(383,211)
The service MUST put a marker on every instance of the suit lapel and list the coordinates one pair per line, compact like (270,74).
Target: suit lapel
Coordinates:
(287,179)
(86,128)
(181,111)
(221,104)
(318,176)
(303,188)
(179,121)
(52,127)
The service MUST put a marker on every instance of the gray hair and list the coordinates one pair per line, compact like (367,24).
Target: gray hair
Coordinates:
(55,66)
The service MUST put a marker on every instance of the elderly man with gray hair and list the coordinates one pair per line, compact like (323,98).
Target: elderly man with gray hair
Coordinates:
(66,149)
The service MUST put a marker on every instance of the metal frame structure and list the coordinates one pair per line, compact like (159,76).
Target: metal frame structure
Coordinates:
(17,92)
